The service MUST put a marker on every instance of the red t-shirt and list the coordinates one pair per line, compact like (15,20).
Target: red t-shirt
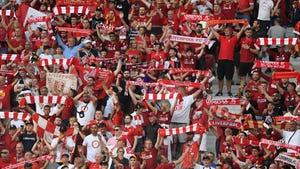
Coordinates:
(246,55)
(150,157)
(163,118)
(5,164)
(229,9)
(5,93)
(117,119)
(245,4)
(94,165)
(261,103)
(68,110)
(16,43)
(141,20)
(166,166)
(253,87)
(129,132)
(227,47)
(193,150)
(189,63)
(289,99)
(112,47)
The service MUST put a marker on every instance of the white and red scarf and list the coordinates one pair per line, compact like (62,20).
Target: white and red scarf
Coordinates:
(15,115)
(9,57)
(7,13)
(43,99)
(150,96)
(47,62)
(276,41)
(70,9)
(181,130)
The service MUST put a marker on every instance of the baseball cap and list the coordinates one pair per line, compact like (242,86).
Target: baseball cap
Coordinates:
(87,41)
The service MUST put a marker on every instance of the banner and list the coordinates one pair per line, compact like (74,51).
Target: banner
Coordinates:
(82,32)
(273,65)
(286,75)
(276,41)
(225,123)
(216,22)
(287,118)
(76,3)
(62,83)
(175,83)
(138,83)
(15,115)
(58,10)
(288,160)
(281,144)
(196,18)
(181,130)
(188,39)
(21,164)
(218,102)
(38,19)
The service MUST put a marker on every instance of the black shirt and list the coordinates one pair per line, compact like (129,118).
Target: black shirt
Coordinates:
(27,140)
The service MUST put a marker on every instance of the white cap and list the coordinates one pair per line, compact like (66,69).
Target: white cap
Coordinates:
(87,41)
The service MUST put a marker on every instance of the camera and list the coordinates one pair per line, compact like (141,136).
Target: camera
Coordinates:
(81,114)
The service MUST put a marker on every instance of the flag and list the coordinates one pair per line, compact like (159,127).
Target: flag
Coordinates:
(26,13)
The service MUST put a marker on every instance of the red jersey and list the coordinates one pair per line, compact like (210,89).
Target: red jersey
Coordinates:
(186,62)
(150,157)
(193,150)
(5,93)
(227,47)
(94,165)
(142,20)
(253,87)
(245,55)
(229,9)
(289,98)
(163,118)
(261,103)
(117,118)
(245,4)
(112,47)
(129,132)
(16,43)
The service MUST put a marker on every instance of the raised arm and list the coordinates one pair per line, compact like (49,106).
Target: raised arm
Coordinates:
(214,32)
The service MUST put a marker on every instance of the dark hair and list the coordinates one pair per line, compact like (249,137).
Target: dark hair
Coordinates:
(128,115)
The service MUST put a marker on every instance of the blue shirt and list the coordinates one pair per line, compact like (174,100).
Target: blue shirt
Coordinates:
(68,52)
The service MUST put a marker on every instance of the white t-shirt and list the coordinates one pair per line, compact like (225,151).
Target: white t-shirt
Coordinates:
(88,112)
(93,146)
(44,56)
(60,149)
(264,10)
(182,110)
(291,139)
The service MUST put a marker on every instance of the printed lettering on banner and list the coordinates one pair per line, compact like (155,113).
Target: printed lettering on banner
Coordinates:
(58,82)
